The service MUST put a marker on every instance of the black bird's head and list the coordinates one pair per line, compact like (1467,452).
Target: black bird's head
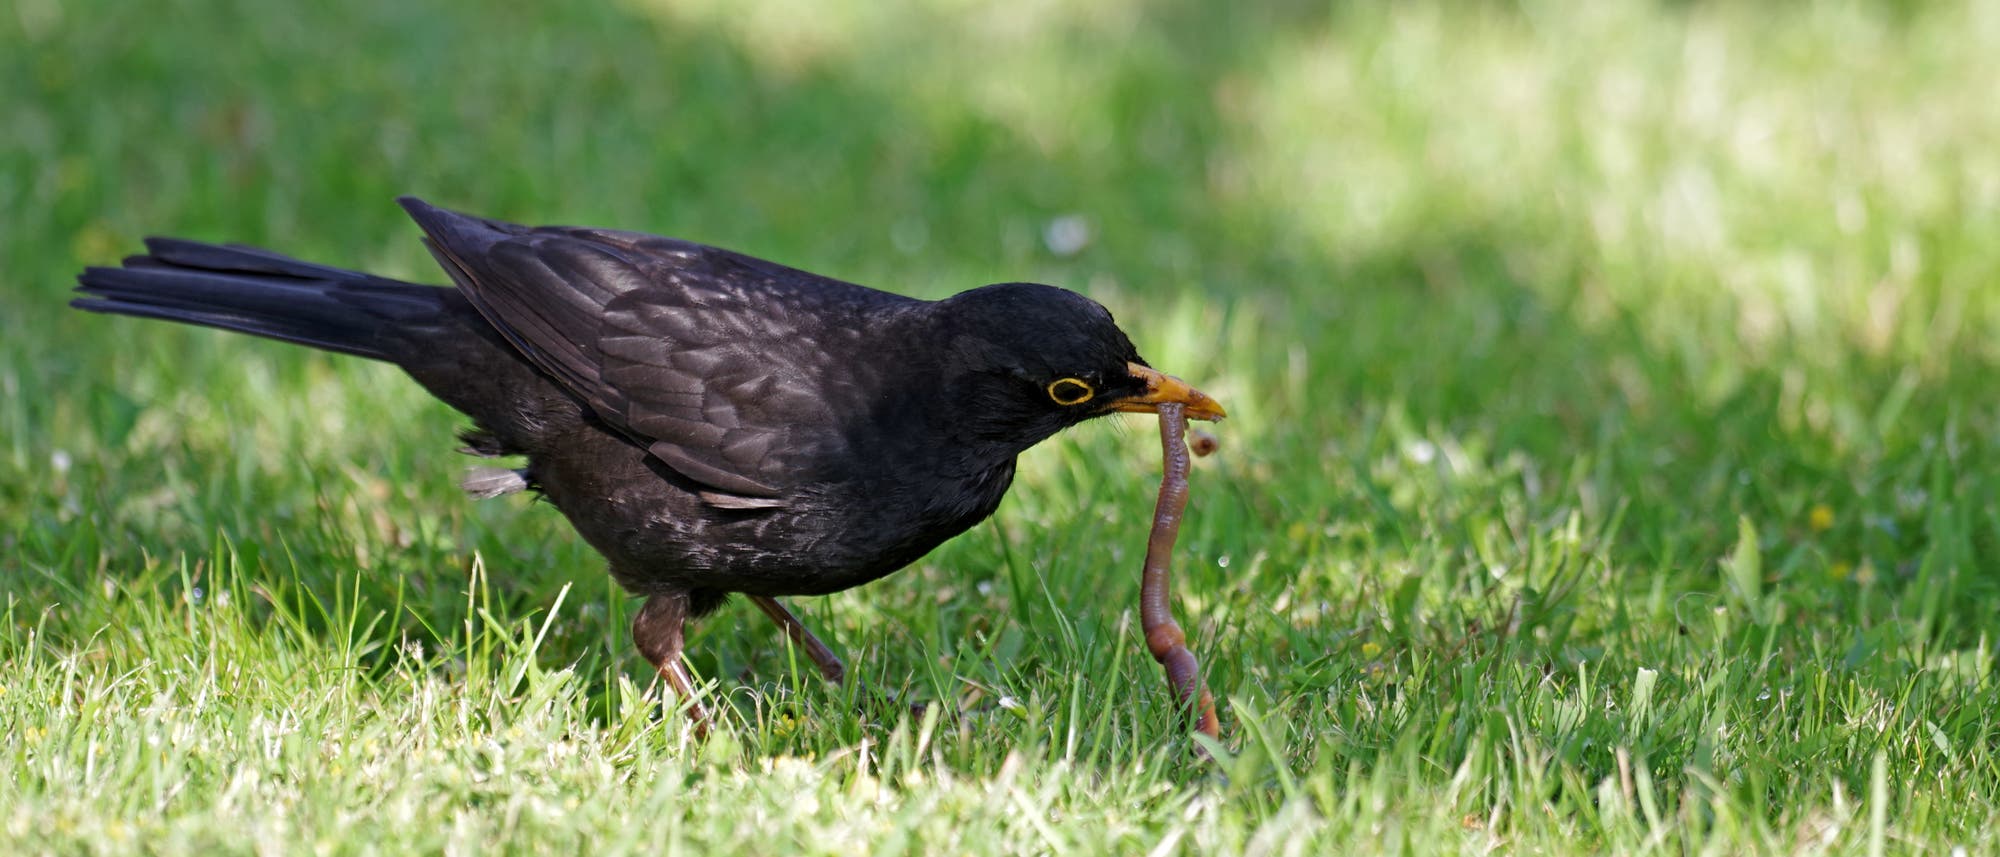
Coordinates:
(1026,361)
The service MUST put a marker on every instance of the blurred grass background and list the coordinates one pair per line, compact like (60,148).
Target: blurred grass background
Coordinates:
(1612,461)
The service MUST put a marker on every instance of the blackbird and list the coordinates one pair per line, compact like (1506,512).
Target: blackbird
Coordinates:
(710,422)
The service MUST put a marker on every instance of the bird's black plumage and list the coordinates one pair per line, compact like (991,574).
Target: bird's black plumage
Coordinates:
(709,422)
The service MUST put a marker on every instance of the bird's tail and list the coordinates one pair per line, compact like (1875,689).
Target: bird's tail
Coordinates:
(258,292)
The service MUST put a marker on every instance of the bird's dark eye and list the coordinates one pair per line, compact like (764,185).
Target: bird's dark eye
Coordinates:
(1071,391)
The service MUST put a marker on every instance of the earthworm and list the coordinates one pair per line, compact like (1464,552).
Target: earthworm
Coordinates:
(1163,636)
(1202,443)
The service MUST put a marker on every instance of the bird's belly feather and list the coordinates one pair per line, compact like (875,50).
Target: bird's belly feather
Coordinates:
(659,536)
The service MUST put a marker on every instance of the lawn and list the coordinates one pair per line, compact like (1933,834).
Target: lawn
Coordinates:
(1613,459)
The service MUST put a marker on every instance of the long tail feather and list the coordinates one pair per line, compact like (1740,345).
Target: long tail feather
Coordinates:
(262,293)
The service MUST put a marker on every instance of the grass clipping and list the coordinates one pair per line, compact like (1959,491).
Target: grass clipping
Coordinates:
(1164,637)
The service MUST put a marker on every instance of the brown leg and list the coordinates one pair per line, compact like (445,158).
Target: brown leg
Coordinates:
(829,663)
(658,631)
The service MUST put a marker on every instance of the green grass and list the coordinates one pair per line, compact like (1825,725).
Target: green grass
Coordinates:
(1614,463)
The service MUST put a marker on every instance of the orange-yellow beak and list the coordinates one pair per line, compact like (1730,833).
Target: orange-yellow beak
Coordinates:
(1162,389)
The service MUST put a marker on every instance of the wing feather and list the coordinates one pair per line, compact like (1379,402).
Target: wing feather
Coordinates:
(701,355)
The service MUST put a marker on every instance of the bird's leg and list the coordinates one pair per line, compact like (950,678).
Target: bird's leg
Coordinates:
(659,633)
(829,663)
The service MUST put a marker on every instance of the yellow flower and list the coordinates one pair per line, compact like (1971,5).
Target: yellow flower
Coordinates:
(1371,649)
(1840,570)
(1820,518)
(784,724)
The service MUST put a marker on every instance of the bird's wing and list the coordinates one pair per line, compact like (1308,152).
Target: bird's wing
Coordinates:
(715,361)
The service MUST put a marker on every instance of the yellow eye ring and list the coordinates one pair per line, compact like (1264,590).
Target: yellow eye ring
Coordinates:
(1070,391)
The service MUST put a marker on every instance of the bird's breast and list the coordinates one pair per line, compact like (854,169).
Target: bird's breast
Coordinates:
(830,535)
